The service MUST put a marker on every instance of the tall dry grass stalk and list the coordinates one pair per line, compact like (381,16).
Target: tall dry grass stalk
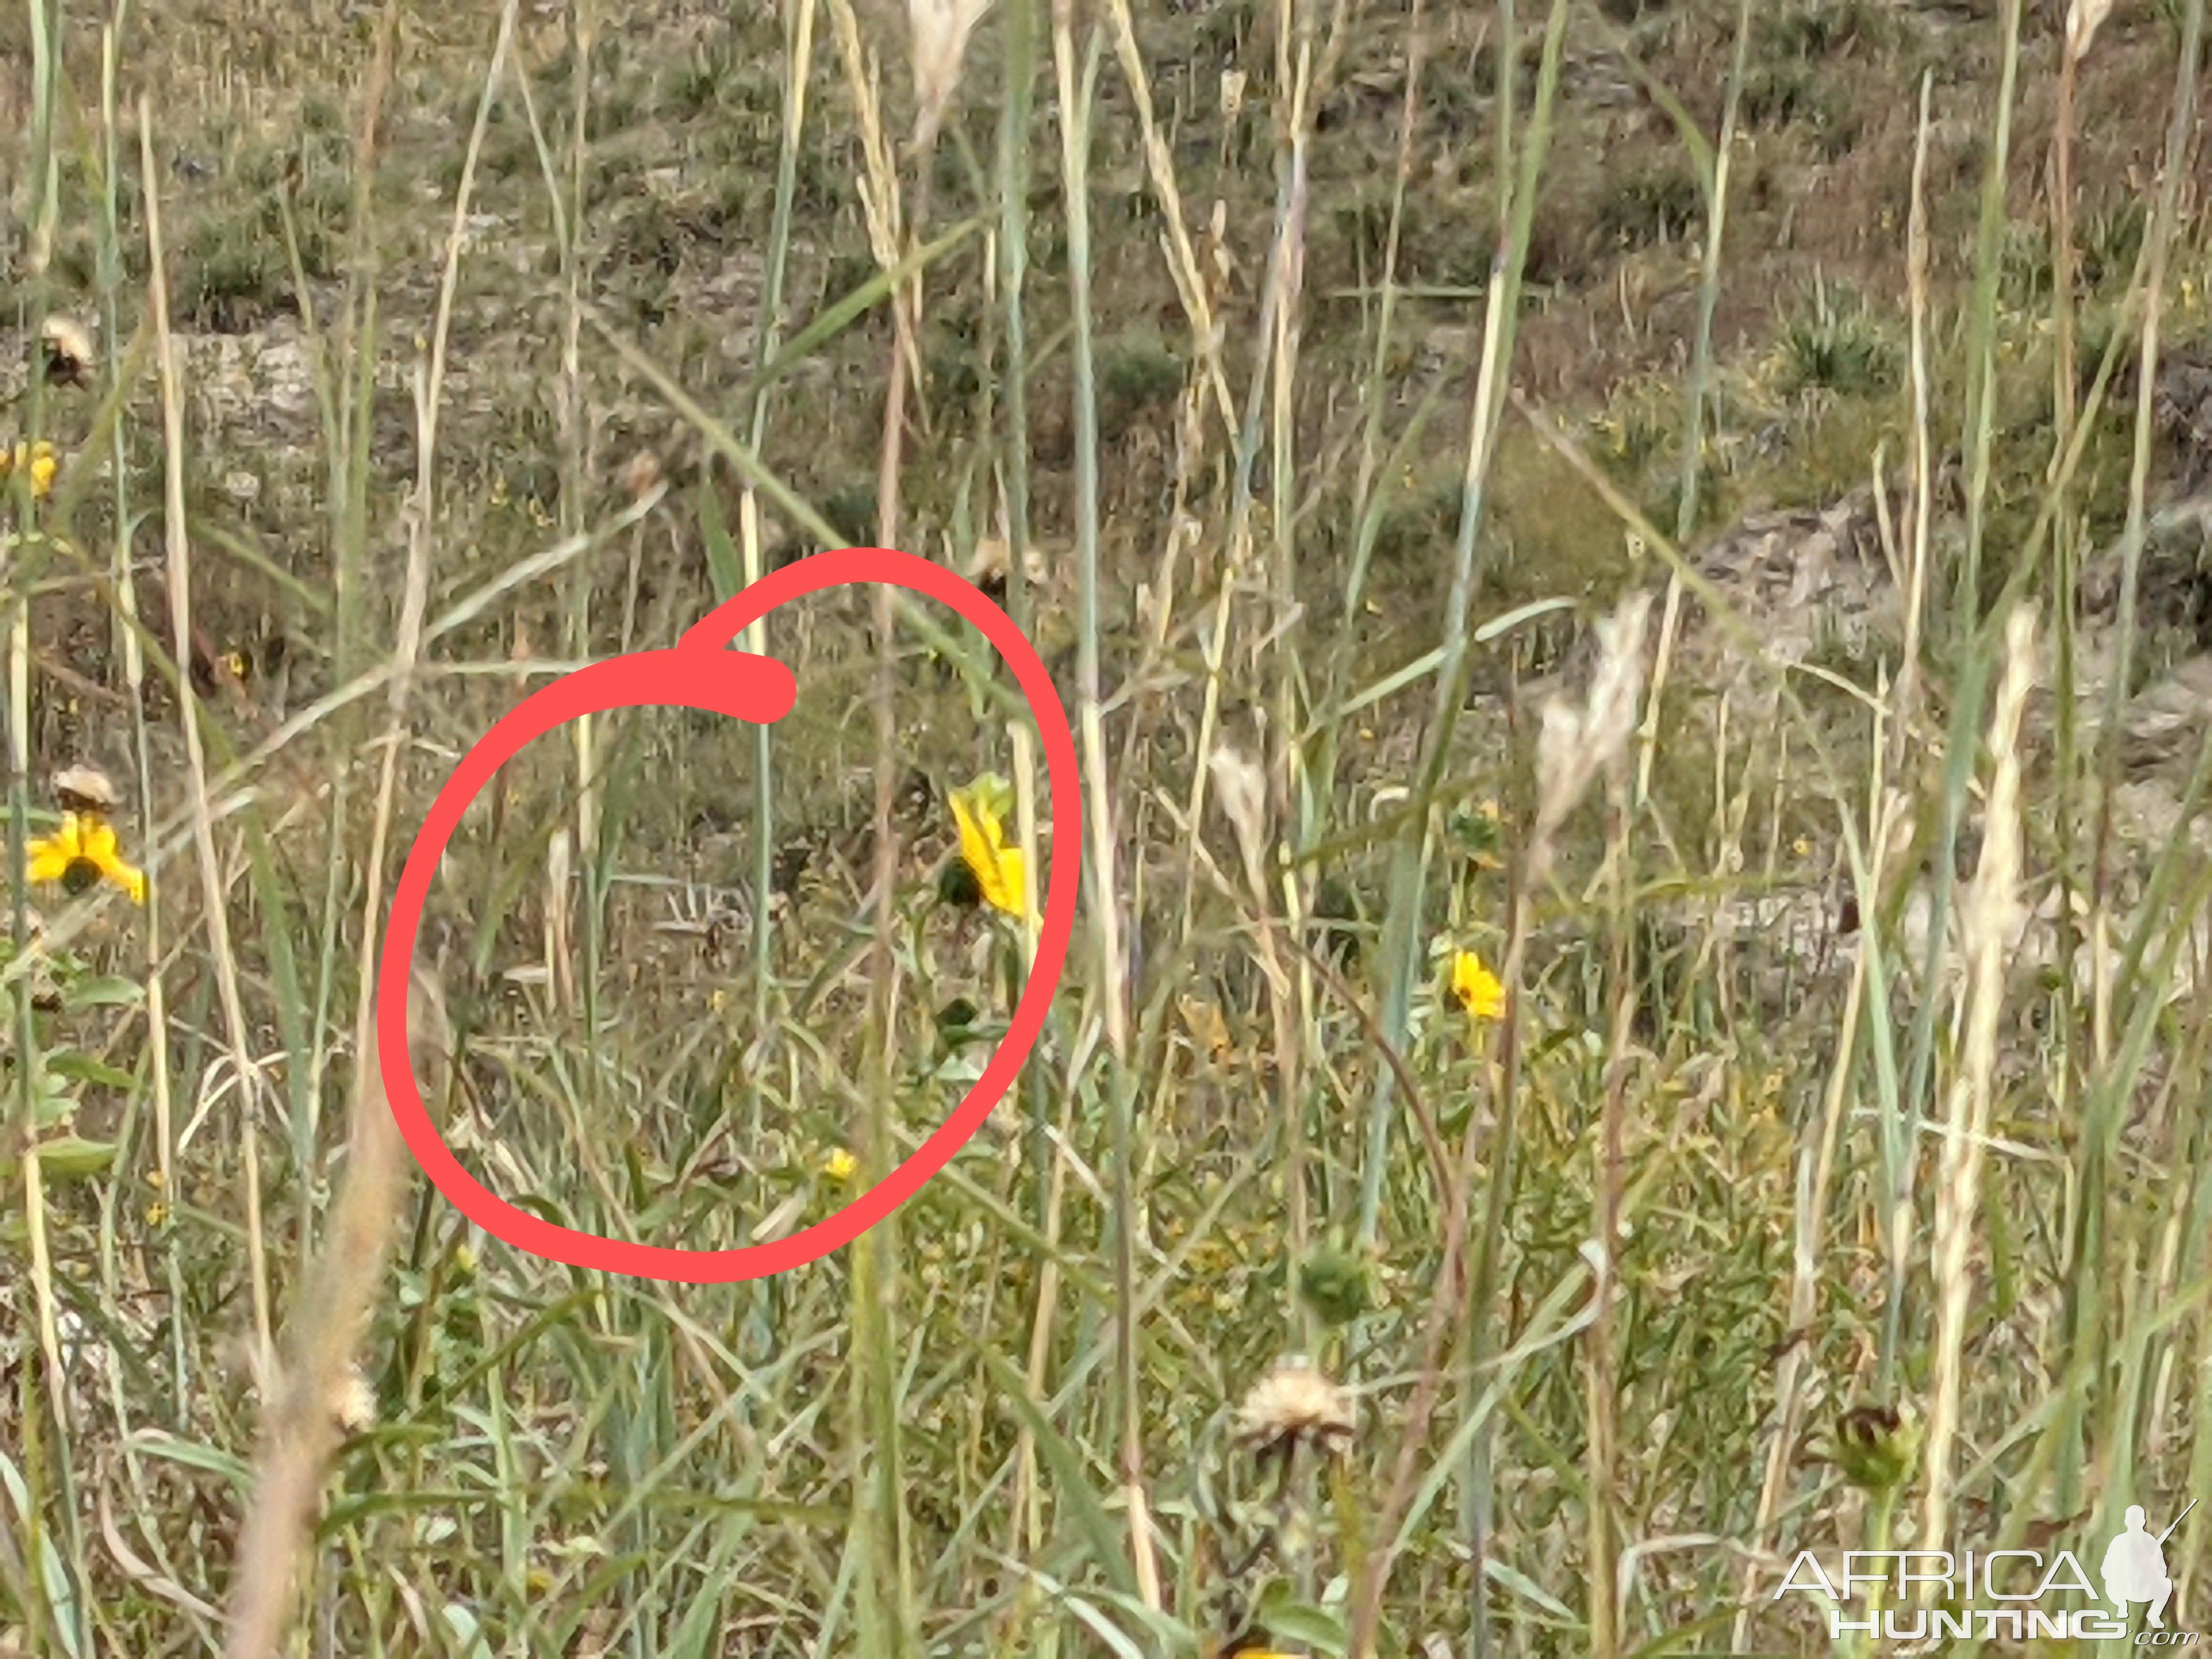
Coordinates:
(305,1416)
(1297,1048)
(576,461)
(1183,263)
(21,560)
(2115,1051)
(1990,925)
(1077,85)
(2083,19)
(799,32)
(245,1069)
(2180,139)
(1019,20)
(936,42)
(1274,355)
(1241,788)
(1891,815)
(1905,697)
(1978,435)
(1370,486)
(1605,726)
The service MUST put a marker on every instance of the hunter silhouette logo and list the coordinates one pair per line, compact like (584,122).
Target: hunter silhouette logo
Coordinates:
(700,672)
(2135,1566)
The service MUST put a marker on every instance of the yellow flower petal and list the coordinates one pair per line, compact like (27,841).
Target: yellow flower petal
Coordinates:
(996,866)
(84,849)
(975,850)
(100,849)
(1478,990)
(49,858)
(40,458)
(1011,887)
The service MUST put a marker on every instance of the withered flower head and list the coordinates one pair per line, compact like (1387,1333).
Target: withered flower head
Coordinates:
(1876,1446)
(84,789)
(1294,1404)
(66,346)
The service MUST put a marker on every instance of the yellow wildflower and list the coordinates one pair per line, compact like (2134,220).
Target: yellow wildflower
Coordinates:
(1477,988)
(82,852)
(39,458)
(840,1165)
(980,811)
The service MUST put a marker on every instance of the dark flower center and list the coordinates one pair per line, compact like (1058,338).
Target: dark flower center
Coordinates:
(958,885)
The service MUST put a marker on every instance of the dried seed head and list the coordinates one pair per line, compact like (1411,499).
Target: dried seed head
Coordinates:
(1576,744)
(1295,1404)
(1242,790)
(355,1407)
(940,31)
(1618,683)
(2082,19)
(84,789)
(66,345)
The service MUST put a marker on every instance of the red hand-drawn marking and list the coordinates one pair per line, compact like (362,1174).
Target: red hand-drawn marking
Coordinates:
(700,672)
